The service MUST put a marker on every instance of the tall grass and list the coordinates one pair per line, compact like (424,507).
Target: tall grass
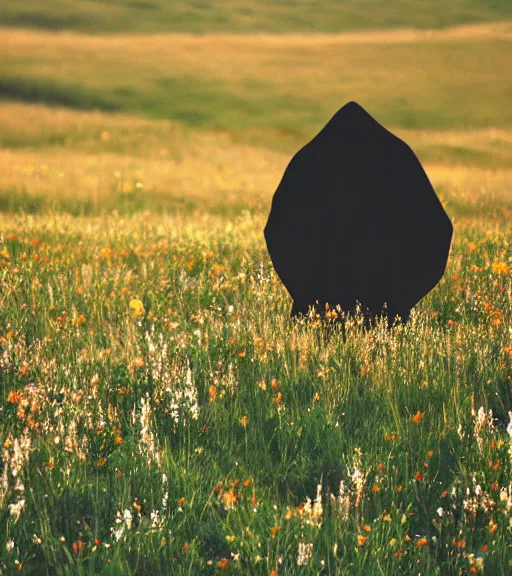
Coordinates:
(161,414)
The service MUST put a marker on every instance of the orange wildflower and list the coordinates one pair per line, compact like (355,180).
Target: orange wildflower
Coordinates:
(77,546)
(14,397)
(274,383)
(417,417)
(500,267)
(119,440)
(243,421)
(375,488)
(275,530)
(278,398)
(421,542)
(361,540)
(222,563)
(212,392)
(367,528)
(419,476)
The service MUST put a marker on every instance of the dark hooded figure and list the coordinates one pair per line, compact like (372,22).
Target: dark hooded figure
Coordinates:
(355,220)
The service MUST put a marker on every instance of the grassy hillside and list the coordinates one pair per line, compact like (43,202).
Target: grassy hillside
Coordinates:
(199,16)
(272,91)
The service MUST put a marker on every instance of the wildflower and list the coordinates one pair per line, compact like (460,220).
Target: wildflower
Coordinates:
(137,307)
(367,528)
(305,553)
(421,542)
(500,267)
(14,397)
(10,545)
(119,440)
(222,563)
(275,530)
(15,509)
(77,546)
(243,421)
(417,417)
(278,398)
(419,476)
(375,488)
(274,383)
(430,453)
(212,393)
(361,540)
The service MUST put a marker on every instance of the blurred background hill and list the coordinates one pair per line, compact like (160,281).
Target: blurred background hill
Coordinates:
(232,88)
(248,16)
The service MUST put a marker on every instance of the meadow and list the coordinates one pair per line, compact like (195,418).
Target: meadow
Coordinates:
(159,411)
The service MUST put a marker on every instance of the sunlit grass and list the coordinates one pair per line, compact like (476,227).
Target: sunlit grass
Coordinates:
(274,91)
(159,406)
(159,411)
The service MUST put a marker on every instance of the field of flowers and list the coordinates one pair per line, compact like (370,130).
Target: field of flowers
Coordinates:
(161,414)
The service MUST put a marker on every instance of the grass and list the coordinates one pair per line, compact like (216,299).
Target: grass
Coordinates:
(258,96)
(159,408)
(159,411)
(205,16)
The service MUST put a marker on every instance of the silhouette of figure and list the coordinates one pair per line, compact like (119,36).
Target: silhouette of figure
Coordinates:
(356,220)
